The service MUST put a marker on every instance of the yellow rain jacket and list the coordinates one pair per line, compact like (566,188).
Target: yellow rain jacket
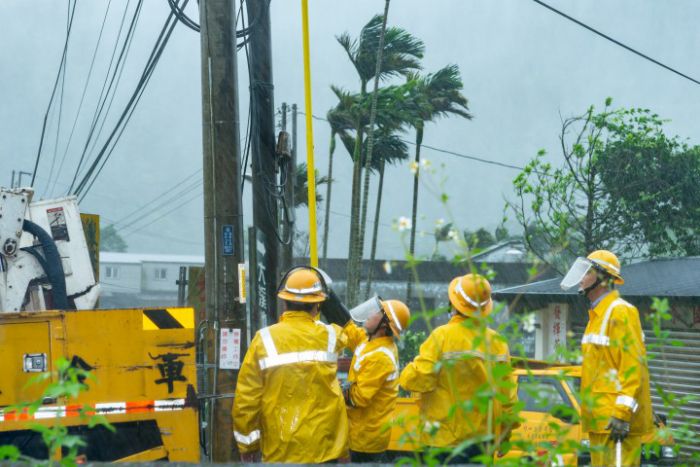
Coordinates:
(288,400)
(374,374)
(614,374)
(449,371)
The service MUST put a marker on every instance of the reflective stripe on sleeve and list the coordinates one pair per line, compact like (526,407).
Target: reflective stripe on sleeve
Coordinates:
(248,439)
(628,402)
(596,339)
(298,357)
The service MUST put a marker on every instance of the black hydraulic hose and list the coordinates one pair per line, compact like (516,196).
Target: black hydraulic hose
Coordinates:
(53,266)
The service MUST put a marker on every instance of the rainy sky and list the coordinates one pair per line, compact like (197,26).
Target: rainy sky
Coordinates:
(524,68)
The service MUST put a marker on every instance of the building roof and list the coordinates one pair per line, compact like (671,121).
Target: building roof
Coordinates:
(140,258)
(510,251)
(427,271)
(672,278)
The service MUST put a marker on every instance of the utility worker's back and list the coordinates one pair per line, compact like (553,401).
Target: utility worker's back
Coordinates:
(288,390)
(463,368)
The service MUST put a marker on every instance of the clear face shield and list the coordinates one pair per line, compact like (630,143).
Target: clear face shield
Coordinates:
(364,310)
(576,273)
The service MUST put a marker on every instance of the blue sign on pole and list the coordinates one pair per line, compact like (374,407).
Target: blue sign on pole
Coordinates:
(227,239)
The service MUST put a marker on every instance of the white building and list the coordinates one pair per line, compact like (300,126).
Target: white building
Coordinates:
(130,280)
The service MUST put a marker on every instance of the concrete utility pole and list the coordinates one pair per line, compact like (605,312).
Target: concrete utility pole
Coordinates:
(265,201)
(223,220)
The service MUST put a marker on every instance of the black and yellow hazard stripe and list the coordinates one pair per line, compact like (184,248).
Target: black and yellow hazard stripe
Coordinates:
(168,318)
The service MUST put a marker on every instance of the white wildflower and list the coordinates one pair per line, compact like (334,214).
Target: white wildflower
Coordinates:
(453,234)
(529,323)
(404,224)
(440,222)
(387,267)
(425,163)
(413,167)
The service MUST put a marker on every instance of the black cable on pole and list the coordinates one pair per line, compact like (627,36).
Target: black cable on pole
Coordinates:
(614,41)
(182,16)
(53,92)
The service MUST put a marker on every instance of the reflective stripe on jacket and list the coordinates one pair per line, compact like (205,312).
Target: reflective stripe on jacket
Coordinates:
(288,400)
(450,371)
(614,374)
(375,386)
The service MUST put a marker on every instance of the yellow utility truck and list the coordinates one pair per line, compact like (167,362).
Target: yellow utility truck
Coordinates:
(142,360)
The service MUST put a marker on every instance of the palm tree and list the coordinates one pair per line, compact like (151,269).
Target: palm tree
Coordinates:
(389,149)
(301,185)
(350,120)
(434,95)
(339,121)
(400,54)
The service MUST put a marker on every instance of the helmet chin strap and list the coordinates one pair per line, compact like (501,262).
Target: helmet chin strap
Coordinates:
(372,333)
(585,291)
(600,278)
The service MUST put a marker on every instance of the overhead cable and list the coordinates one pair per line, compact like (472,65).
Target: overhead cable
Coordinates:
(615,41)
(53,92)
(104,92)
(82,98)
(103,156)
(446,151)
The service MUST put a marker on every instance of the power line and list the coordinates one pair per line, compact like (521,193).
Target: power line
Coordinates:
(82,97)
(447,151)
(176,198)
(128,43)
(179,206)
(53,92)
(165,193)
(100,101)
(60,103)
(614,41)
(90,177)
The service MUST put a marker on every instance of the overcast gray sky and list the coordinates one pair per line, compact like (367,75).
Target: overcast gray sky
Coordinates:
(522,66)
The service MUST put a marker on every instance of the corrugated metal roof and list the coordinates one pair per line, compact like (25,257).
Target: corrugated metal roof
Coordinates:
(672,277)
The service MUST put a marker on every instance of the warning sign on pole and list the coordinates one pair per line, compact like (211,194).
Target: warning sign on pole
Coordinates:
(230,349)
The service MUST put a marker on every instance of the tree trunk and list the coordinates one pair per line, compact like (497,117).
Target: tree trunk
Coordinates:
(375,231)
(414,212)
(370,144)
(329,187)
(352,273)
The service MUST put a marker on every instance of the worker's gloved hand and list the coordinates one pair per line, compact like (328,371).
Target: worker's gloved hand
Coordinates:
(345,387)
(334,310)
(253,457)
(619,429)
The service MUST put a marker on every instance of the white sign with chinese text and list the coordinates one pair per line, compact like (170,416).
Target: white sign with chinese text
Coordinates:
(230,349)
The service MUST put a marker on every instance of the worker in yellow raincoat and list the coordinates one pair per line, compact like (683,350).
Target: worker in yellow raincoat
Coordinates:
(373,380)
(289,403)
(460,399)
(616,401)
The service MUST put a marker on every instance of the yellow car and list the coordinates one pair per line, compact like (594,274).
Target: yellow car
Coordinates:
(550,416)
